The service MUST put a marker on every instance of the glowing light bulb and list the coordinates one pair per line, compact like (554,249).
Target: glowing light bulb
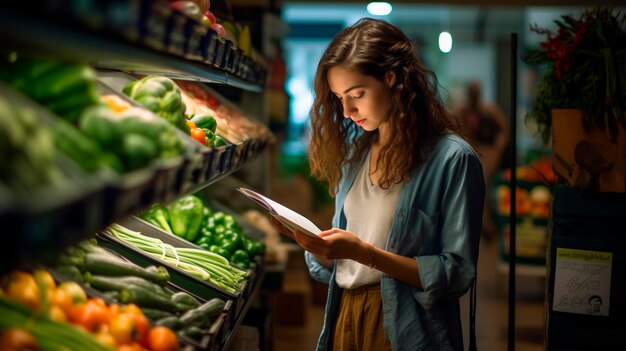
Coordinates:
(379,8)
(445,42)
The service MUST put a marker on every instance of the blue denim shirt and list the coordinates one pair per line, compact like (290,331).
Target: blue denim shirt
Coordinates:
(437,222)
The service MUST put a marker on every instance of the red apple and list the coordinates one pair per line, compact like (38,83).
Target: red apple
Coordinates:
(210,15)
(219,29)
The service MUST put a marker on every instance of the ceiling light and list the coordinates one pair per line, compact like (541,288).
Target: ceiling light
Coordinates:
(445,42)
(379,8)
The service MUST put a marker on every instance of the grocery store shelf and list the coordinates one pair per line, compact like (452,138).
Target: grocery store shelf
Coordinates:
(34,35)
(255,291)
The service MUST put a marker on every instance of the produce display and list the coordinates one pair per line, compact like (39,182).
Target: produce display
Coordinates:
(93,132)
(232,123)
(162,96)
(216,231)
(122,281)
(34,304)
(30,160)
(240,35)
(532,206)
(109,154)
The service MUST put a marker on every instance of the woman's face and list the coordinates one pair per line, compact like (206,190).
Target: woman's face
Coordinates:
(365,99)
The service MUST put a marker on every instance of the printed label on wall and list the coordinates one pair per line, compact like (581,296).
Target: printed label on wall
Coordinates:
(582,282)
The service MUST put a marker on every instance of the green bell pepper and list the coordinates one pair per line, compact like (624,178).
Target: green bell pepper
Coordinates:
(240,258)
(186,216)
(138,121)
(205,122)
(160,95)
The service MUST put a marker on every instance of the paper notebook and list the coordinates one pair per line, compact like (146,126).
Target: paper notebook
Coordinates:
(290,218)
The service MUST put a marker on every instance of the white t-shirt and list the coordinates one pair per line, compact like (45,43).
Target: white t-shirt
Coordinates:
(369,212)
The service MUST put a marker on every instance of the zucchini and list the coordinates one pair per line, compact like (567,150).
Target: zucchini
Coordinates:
(141,283)
(98,263)
(154,314)
(143,298)
(195,318)
(111,296)
(183,299)
(192,332)
(70,272)
(213,307)
(171,322)
(203,315)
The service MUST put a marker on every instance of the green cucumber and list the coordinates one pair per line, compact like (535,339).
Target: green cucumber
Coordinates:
(111,296)
(203,315)
(143,298)
(142,283)
(183,299)
(171,322)
(154,314)
(213,307)
(192,332)
(195,318)
(70,272)
(112,266)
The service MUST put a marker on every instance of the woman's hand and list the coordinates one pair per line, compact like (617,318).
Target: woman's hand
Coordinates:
(335,244)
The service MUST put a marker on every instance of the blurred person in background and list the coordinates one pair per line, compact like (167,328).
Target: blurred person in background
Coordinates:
(487,127)
(408,192)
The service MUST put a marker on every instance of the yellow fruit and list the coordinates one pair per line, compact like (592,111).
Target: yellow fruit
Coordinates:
(244,41)
(24,291)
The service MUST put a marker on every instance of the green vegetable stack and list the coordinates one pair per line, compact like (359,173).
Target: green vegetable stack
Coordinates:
(162,96)
(134,135)
(214,231)
(29,158)
(222,235)
(66,88)
(121,281)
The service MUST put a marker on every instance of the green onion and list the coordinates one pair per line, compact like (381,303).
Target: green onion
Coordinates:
(203,264)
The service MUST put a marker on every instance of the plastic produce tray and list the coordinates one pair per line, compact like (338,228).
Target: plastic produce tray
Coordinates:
(190,283)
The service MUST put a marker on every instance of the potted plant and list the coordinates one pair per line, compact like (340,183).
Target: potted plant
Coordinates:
(581,98)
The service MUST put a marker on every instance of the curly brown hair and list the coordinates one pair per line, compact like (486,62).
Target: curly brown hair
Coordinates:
(416,119)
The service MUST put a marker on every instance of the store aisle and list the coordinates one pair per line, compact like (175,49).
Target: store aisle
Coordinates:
(491,319)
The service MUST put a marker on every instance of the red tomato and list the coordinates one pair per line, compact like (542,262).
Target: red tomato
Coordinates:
(88,315)
(163,339)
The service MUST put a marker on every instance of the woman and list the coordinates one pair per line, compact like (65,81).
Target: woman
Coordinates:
(408,198)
